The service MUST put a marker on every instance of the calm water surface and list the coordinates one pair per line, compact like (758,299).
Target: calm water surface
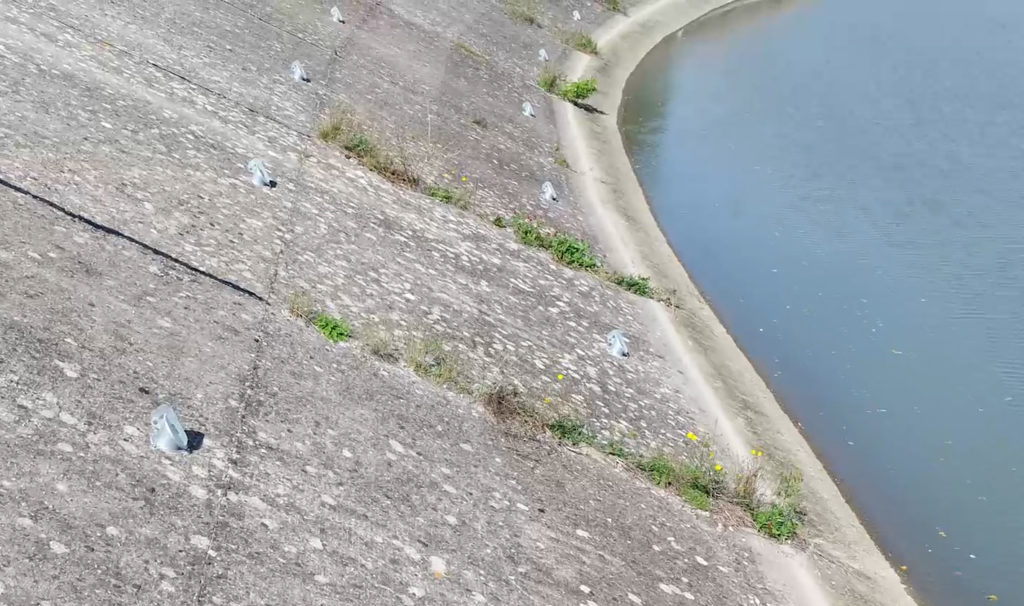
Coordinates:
(845,182)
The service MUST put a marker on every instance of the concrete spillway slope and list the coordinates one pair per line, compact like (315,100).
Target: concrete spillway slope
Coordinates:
(138,263)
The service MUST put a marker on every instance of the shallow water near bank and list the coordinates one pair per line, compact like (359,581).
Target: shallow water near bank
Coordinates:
(844,182)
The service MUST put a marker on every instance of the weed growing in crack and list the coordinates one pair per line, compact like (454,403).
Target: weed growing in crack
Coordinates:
(638,285)
(507,405)
(429,359)
(660,470)
(333,329)
(469,51)
(300,305)
(696,498)
(581,41)
(570,430)
(572,251)
(617,450)
(458,198)
(579,90)
(381,346)
(340,128)
(567,249)
(522,11)
(549,79)
(780,521)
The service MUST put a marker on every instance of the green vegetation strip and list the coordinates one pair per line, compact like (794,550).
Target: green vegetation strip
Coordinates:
(572,251)
(581,41)
(701,482)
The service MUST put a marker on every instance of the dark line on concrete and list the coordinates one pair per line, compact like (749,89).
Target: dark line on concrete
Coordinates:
(221,95)
(138,58)
(274,25)
(120,234)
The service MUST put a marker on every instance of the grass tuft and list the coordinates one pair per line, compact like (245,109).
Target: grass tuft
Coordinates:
(572,431)
(572,251)
(529,232)
(617,450)
(300,305)
(381,346)
(392,168)
(790,485)
(567,249)
(581,41)
(456,197)
(660,470)
(506,404)
(744,491)
(470,51)
(549,79)
(429,359)
(697,483)
(613,5)
(578,90)
(334,329)
(522,11)
(638,285)
(332,128)
(499,222)
(695,498)
(780,521)
(339,128)
(702,476)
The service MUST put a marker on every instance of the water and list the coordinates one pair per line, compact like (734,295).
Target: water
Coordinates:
(844,182)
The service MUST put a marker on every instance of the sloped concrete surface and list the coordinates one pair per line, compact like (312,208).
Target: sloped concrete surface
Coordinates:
(325,475)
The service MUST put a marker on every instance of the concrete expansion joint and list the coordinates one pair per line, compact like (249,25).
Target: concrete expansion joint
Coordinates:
(111,231)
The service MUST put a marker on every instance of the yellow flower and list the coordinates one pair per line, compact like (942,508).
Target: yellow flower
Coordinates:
(711,455)
(759,453)
(753,452)
(547,400)
(559,377)
(690,435)
(718,467)
(903,568)
(463,178)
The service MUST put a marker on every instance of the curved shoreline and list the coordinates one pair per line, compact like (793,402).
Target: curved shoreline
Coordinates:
(842,564)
